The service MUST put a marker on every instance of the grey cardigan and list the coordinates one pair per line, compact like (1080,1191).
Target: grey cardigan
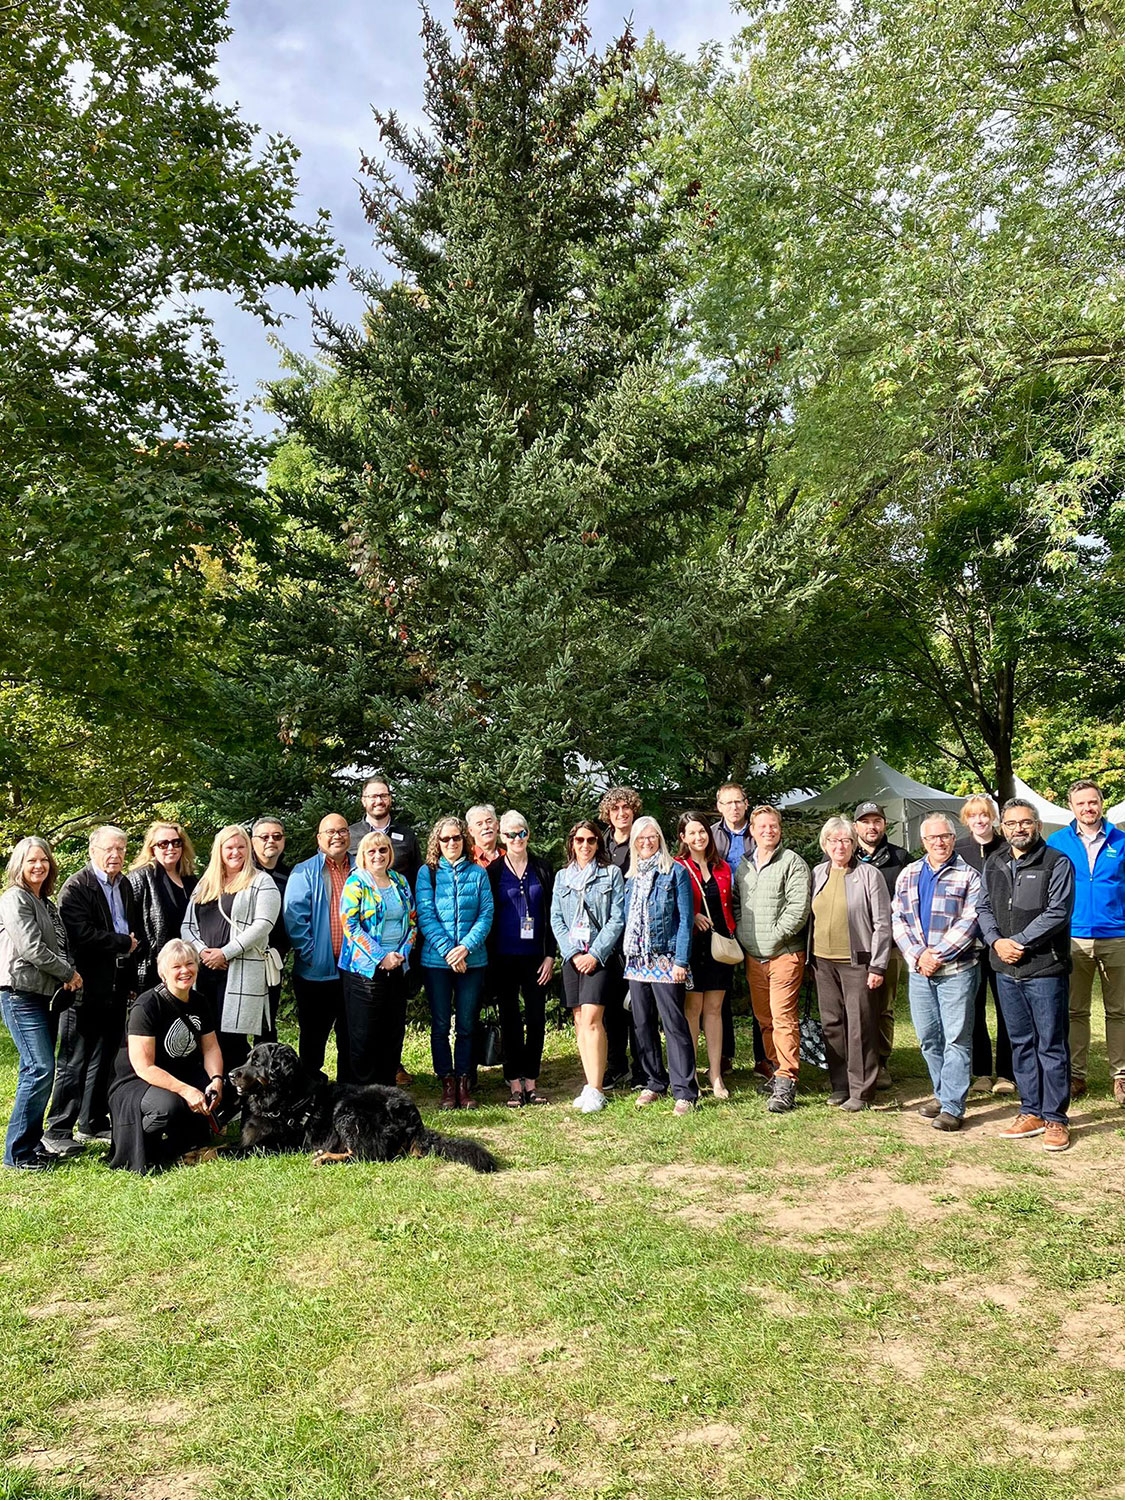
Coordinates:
(33,954)
(253,913)
(869,914)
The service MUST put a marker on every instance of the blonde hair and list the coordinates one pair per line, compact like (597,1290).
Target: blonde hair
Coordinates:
(980,802)
(374,840)
(175,951)
(146,857)
(213,884)
(664,859)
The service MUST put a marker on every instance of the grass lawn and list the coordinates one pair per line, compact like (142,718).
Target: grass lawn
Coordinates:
(813,1305)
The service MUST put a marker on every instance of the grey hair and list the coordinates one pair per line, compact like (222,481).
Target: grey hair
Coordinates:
(939,817)
(481,807)
(265,818)
(838,825)
(664,859)
(175,951)
(19,858)
(110,828)
(516,817)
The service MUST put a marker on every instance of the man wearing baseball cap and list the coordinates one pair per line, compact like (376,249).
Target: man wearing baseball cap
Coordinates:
(876,849)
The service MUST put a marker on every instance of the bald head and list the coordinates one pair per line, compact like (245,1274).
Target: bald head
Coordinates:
(332,837)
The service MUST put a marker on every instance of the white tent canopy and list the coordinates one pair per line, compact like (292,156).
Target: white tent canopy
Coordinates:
(1053,818)
(905,801)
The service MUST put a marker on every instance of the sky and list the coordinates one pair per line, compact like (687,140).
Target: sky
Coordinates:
(313,72)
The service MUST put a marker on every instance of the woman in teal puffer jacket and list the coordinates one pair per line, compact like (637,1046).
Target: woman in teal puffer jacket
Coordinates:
(454,902)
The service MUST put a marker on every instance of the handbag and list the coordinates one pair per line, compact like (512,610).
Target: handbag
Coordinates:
(486,1040)
(812,1049)
(273,967)
(724,950)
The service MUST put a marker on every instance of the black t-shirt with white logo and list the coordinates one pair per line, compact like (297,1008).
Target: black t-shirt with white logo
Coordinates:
(177,1026)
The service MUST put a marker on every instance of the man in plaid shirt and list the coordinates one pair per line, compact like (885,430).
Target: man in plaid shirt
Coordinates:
(934,920)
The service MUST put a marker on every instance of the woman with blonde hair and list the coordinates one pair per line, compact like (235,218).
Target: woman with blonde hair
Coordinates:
(981,816)
(659,917)
(162,878)
(380,925)
(228,922)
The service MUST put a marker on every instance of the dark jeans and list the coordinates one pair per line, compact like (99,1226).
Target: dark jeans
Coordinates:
(375,1011)
(446,991)
(28,1017)
(89,1038)
(521,1036)
(666,1001)
(1037,1012)
(982,1042)
(320,1006)
(849,1018)
(167,1116)
(620,1032)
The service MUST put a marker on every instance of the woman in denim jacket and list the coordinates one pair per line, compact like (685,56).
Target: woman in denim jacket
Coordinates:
(454,903)
(659,915)
(587,915)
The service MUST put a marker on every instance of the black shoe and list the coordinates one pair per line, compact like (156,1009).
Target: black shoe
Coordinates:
(783,1096)
(946,1122)
(839,1097)
(61,1146)
(42,1161)
(93,1137)
(614,1081)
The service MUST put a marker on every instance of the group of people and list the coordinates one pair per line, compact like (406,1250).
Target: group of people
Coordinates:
(131,999)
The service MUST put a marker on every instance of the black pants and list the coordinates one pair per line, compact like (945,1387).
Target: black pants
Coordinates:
(982,1042)
(521,1036)
(653,1004)
(620,1032)
(89,1038)
(375,1022)
(849,1016)
(166,1116)
(320,1006)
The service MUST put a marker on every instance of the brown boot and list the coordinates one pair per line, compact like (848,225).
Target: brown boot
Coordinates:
(448,1093)
(464,1096)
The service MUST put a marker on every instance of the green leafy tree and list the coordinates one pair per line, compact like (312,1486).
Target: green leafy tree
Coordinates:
(128,485)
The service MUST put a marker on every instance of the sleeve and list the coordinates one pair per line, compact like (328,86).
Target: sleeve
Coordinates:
(355,934)
(434,934)
(961,933)
(80,909)
(797,900)
(547,881)
(142,1018)
(411,938)
(298,912)
(264,903)
(902,929)
(26,937)
(986,921)
(880,920)
(610,934)
(190,929)
(478,933)
(685,914)
(559,928)
(1056,913)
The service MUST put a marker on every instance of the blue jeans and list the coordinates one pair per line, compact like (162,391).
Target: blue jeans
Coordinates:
(444,991)
(28,1017)
(1037,1015)
(942,1011)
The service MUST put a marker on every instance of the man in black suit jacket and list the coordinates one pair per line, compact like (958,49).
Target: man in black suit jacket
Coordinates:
(98,910)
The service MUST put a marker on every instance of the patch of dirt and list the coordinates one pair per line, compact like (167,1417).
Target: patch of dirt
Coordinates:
(901,1355)
(719,1435)
(689,1176)
(1013,1296)
(609,1428)
(57,1309)
(1094,1332)
(188,1485)
(1058,1448)
(158,1414)
(775,1301)
(851,1203)
(53,1460)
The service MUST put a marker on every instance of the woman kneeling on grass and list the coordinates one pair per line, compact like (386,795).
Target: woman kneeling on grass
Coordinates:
(170,1072)
(587,915)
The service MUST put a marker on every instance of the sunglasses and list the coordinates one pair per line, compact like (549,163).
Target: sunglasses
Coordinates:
(269,838)
(582,839)
(449,838)
(520,833)
(168,844)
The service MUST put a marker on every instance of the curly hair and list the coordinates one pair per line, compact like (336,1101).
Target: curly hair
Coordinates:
(433,848)
(618,794)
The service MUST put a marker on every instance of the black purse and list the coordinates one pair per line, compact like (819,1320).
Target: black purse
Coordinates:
(486,1039)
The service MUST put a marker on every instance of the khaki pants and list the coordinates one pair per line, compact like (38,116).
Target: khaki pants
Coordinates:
(775,994)
(1106,958)
(885,1003)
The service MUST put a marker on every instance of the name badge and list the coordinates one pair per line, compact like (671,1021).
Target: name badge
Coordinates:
(397,837)
(580,932)
(527,930)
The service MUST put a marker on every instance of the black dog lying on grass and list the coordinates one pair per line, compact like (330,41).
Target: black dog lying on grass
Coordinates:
(286,1109)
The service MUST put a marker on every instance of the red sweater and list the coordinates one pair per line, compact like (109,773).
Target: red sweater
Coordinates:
(721,871)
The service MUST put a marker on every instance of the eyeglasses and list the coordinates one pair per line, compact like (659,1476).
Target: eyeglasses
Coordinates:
(1015,823)
(582,838)
(937,838)
(168,844)
(449,838)
(517,833)
(646,838)
(336,833)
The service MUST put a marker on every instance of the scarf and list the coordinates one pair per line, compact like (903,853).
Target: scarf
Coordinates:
(638,929)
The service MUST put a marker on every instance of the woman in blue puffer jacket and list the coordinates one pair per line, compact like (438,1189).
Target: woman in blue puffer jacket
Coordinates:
(659,917)
(454,904)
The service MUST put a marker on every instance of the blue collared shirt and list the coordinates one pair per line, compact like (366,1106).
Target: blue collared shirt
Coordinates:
(927,882)
(112,890)
(737,846)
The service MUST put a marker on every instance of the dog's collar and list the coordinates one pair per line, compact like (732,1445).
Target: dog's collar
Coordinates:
(302,1111)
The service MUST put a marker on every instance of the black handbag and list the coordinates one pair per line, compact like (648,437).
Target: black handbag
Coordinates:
(486,1039)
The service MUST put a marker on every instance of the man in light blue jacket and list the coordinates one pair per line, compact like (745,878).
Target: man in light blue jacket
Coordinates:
(312,920)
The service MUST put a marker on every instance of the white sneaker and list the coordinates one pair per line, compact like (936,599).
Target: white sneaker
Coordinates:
(580,1102)
(594,1101)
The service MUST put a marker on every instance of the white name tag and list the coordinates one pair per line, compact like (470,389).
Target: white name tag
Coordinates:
(397,837)
(580,932)
(527,930)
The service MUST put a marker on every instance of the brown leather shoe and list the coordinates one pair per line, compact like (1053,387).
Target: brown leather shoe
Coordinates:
(1077,1087)
(1022,1127)
(465,1098)
(1119,1091)
(930,1110)
(448,1093)
(1056,1137)
(403,1079)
